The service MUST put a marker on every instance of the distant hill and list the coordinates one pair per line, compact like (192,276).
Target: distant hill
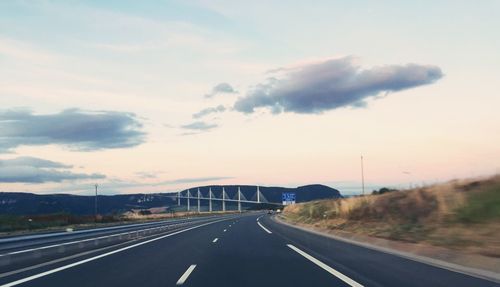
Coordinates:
(20,203)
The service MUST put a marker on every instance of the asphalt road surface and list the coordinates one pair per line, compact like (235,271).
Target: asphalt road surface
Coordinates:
(247,250)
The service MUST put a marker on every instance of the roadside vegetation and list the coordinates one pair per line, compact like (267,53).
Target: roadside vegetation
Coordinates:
(10,223)
(14,224)
(461,214)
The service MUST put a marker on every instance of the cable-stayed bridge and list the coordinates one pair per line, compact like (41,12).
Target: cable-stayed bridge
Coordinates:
(239,198)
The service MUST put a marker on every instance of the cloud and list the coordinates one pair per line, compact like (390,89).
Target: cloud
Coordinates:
(33,162)
(77,129)
(199,126)
(222,88)
(146,174)
(37,170)
(332,84)
(207,111)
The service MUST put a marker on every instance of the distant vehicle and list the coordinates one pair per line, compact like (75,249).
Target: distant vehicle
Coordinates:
(278,210)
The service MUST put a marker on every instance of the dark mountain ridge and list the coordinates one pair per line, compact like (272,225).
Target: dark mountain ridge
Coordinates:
(271,193)
(21,203)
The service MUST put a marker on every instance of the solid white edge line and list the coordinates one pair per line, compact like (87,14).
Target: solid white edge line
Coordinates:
(215,240)
(469,271)
(17,282)
(326,267)
(265,229)
(186,274)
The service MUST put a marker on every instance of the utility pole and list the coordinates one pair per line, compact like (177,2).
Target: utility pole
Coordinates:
(95,203)
(179,198)
(188,203)
(362,176)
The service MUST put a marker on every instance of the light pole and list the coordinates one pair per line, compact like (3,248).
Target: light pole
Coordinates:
(95,203)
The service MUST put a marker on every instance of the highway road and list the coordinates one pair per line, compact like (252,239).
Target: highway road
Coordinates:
(244,250)
(23,242)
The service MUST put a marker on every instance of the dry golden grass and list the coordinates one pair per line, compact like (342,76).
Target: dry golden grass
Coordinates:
(461,214)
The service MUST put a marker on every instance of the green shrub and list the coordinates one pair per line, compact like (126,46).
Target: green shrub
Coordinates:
(481,206)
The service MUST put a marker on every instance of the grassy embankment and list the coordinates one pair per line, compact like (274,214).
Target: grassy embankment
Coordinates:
(461,215)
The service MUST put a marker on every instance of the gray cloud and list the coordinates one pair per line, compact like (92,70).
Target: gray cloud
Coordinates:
(80,130)
(332,84)
(37,170)
(33,162)
(207,111)
(199,126)
(222,88)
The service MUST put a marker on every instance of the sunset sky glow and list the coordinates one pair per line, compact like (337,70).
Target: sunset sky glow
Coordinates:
(150,96)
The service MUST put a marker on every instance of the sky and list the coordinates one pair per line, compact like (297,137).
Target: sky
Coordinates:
(159,96)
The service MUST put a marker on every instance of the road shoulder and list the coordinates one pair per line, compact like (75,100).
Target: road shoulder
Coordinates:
(408,251)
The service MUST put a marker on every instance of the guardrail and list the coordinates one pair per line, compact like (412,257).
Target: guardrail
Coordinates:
(13,259)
